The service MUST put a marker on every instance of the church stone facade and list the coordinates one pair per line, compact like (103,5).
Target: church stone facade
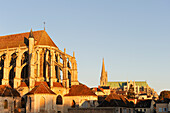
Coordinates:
(32,64)
(32,57)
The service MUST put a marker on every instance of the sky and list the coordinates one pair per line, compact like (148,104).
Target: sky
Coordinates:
(133,36)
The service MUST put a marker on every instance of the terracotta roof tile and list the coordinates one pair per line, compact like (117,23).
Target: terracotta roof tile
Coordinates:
(41,89)
(57,84)
(115,100)
(21,39)
(7,91)
(80,90)
(38,83)
(23,84)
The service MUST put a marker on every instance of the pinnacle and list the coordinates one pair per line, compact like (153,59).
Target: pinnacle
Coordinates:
(31,34)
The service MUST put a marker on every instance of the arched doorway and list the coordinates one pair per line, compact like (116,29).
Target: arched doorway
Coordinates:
(42,104)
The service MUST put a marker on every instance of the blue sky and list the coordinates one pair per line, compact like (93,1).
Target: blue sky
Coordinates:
(133,36)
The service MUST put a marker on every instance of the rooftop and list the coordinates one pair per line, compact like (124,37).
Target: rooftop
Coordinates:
(14,40)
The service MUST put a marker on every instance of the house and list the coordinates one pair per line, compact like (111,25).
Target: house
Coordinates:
(163,106)
(145,106)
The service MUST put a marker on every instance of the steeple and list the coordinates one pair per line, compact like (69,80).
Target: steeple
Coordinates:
(31,34)
(103,67)
(103,78)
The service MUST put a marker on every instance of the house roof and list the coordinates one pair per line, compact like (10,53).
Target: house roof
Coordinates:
(121,92)
(57,84)
(14,40)
(42,88)
(38,83)
(7,91)
(115,100)
(23,84)
(80,90)
(143,104)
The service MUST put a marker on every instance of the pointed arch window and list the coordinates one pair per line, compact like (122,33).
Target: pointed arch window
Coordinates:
(5,104)
(59,100)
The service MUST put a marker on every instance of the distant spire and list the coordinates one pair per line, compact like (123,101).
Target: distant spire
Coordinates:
(103,67)
(103,78)
(31,34)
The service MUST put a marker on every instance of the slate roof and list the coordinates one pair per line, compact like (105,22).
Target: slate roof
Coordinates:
(14,40)
(143,104)
(114,100)
(7,91)
(42,88)
(80,90)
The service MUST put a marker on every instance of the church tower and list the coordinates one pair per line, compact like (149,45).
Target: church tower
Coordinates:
(103,78)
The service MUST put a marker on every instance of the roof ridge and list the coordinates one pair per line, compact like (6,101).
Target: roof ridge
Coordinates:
(46,87)
(36,88)
(19,33)
(4,90)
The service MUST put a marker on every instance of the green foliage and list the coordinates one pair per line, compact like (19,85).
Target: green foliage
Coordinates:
(164,94)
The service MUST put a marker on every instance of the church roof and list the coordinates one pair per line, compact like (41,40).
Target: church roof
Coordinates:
(14,40)
(42,88)
(7,91)
(121,84)
(80,90)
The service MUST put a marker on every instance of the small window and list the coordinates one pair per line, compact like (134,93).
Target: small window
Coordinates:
(5,104)
(59,100)
(164,109)
(144,110)
(120,110)
(160,109)
(15,105)
(59,112)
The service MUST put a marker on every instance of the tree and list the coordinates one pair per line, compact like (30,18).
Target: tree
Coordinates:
(164,94)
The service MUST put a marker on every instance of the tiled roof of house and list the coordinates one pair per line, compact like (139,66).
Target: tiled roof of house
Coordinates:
(80,90)
(143,104)
(38,83)
(23,84)
(42,88)
(121,92)
(7,91)
(57,84)
(14,40)
(114,100)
